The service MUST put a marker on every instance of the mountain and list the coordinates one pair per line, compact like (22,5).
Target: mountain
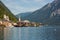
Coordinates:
(49,14)
(23,15)
(5,10)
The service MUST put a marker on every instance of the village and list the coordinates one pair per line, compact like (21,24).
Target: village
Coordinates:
(6,22)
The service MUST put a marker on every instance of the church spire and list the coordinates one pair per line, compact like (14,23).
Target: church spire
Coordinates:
(19,19)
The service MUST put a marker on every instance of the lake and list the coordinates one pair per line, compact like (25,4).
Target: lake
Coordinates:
(32,33)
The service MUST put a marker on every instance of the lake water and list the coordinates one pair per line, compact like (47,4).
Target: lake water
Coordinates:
(32,33)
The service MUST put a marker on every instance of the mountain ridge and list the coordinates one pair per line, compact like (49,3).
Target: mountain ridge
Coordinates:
(48,14)
(23,15)
(6,11)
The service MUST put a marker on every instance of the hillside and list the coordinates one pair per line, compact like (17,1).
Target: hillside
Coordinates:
(23,15)
(5,10)
(49,14)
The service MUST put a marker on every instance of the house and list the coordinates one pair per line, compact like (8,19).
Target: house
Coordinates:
(6,22)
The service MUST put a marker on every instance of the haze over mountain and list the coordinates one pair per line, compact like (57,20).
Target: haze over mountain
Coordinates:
(49,14)
(6,11)
(23,15)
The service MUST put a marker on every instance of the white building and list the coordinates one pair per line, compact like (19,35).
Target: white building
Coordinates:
(27,21)
(6,17)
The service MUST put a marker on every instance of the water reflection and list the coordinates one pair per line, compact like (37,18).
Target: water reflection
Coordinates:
(33,33)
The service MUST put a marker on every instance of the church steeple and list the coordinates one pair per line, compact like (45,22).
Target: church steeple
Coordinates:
(19,19)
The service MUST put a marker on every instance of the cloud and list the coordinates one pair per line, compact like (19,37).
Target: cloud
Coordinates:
(19,6)
(30,1)
(26,1)
(39,0)
(19,9)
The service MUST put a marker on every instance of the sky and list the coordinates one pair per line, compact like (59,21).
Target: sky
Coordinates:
(21,6)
